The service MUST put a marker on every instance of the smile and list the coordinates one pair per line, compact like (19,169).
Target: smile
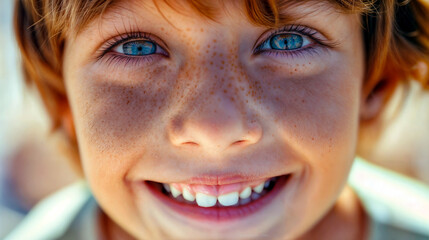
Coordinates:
(218,202)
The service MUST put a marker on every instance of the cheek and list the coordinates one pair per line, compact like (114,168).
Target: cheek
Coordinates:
(113,110)
(318,112)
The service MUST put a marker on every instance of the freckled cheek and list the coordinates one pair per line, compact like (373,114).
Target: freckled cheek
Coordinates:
(117,115)
(321,110)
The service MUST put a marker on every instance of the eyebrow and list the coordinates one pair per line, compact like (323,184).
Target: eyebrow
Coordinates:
(114,10)
(283,7)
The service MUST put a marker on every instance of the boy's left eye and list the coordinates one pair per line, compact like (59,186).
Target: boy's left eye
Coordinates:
(285,42)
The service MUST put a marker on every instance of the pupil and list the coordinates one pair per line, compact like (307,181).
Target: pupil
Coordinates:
(139,48)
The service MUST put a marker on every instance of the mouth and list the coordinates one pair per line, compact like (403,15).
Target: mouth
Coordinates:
(218,202)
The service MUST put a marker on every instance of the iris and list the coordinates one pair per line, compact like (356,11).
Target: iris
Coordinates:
(286,41)
(139,48)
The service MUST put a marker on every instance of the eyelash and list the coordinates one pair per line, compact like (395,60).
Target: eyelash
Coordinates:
(121,58)
(300,29)
(135,35)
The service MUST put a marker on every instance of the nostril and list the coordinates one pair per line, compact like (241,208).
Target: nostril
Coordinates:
(239,142)
(190,144)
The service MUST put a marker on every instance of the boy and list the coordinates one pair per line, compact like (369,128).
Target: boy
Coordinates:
(218,119)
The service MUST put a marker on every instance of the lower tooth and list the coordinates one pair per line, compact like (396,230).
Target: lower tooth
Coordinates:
(267,184)
(245,201)
(255,196)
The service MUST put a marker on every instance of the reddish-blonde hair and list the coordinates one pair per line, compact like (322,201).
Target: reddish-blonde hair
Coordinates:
(396,36)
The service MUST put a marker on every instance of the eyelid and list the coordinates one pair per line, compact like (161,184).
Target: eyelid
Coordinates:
(159,49)
(307,42)
(299,29)
(129,37)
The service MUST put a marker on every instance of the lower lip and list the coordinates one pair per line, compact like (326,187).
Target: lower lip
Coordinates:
(220,214)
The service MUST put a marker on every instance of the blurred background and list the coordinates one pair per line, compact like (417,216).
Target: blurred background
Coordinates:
(32,166)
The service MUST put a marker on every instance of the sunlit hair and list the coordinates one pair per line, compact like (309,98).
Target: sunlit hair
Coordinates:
(396,36)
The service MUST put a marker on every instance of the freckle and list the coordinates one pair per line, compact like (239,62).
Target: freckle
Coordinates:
(202,29)
(221,55)
(223,62)
(188,29)
(214,40)
(230,85)
(303,101)
(211,63)
(296,70)
(221,67)
(225,91)
(208,45)
(162,29)
(128,102)
(211,92)
(294,126)
(232,99)
(247,101)
(312,138)
(207,51)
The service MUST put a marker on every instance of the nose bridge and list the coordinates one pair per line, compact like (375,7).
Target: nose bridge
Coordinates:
(217,118)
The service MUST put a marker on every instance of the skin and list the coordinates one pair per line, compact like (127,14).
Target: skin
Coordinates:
(213,107)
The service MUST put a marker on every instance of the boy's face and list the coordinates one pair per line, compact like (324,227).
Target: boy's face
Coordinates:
(216,107)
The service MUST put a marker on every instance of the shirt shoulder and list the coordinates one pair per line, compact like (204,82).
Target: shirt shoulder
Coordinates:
(397,205)
(57,216)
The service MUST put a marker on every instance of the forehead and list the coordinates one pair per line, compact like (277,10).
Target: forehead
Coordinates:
(259,12)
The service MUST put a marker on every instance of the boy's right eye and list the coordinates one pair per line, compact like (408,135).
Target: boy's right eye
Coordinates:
(136,48)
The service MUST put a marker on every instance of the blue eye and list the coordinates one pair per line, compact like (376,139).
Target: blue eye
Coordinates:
(285,42)
(137,48)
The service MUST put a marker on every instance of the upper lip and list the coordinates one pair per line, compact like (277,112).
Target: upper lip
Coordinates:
(223,179)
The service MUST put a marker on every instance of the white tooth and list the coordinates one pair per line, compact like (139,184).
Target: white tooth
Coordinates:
(166,187)
(204,200)
(267,184)
(246,193)
(174,191)
(259,188)
(188,195)
(228,199)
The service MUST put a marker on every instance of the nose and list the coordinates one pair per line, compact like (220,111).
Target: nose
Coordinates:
(217,125)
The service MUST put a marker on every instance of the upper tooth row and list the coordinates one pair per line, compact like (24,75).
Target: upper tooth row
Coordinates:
(205,200)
